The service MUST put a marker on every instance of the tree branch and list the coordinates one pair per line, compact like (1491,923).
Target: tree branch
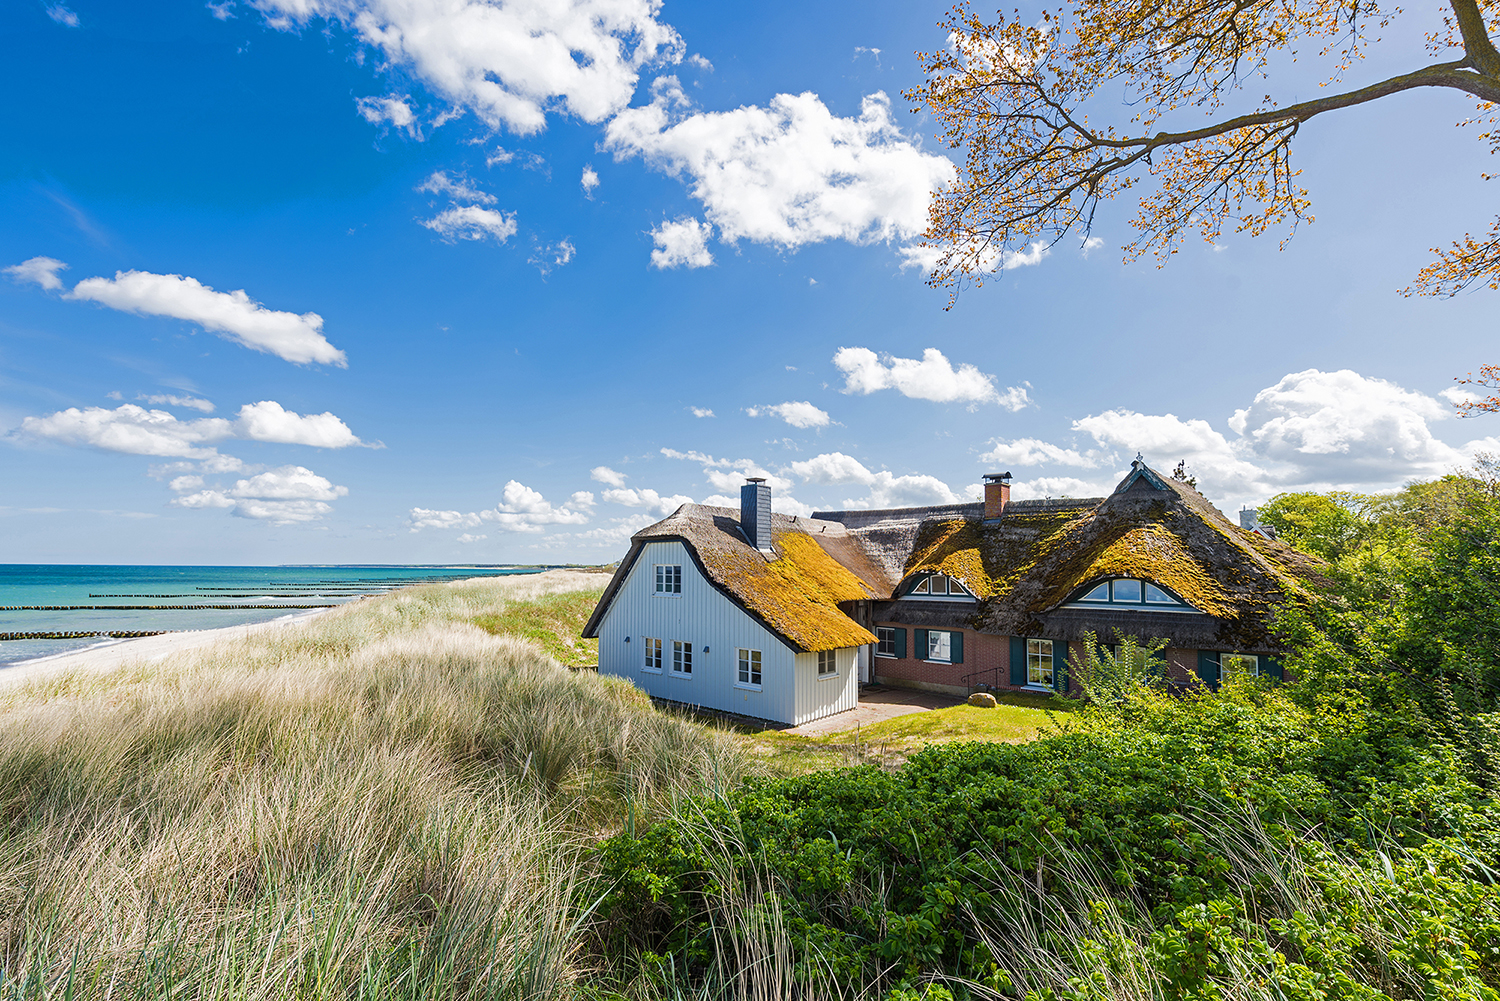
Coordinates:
(1454,75)
(1481,51)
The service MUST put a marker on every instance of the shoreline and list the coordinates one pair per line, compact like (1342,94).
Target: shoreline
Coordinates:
(115,654)
(112,655)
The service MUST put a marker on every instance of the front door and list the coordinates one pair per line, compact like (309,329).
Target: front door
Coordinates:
(863,659)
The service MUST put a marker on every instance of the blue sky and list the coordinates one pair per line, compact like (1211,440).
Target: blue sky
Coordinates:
(442,281)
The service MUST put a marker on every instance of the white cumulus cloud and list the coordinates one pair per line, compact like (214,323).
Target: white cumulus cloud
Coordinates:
(388,110)
(41,270)
(607,476)
(470,222)
(789,174)
(701,411)
(590,180)
(885,489)
(646,498)
(932,378)
(131,429)
(508,61)
(270,421)
(798,415)
(137,431)
(521,509)
(1035,452)
(282,496)
(682,243)
(295,338)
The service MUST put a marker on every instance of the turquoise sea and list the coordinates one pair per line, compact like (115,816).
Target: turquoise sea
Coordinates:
(38,598)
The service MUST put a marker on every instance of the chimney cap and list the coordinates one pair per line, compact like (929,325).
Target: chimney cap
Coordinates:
(997,477)
(755,479)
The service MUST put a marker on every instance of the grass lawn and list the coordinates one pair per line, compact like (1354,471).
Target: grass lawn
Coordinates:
(1018,717)
(553,621)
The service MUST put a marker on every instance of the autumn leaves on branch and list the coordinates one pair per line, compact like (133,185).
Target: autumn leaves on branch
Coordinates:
(1014,97)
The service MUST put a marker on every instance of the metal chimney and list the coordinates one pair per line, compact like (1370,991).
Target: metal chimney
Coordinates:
(755,513)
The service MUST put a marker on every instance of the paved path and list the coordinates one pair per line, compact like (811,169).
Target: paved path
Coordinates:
(876,703)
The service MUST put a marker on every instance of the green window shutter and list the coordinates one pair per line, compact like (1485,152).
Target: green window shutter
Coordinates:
(956,649)
(920,636)
(1059,665)
(1018,660)
(900,644)
(1208,668)
(1274,670)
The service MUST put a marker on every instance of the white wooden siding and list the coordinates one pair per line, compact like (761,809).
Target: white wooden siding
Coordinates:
(817,697)
(703,616)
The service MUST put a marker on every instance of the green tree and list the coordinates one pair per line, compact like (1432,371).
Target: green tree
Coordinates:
(1327,525)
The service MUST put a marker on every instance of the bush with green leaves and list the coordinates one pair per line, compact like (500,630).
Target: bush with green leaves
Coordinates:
(1169,826)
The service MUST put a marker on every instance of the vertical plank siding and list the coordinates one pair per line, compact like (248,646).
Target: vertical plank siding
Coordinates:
(818,697)
(716,627)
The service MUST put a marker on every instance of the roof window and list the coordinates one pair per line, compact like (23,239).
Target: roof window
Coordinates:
(1130,592)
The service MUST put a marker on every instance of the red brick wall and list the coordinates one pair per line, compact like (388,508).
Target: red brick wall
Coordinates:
(986,658)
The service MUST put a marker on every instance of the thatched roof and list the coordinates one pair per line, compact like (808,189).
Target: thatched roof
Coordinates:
(1039,555)
(795,592)
(1024,568)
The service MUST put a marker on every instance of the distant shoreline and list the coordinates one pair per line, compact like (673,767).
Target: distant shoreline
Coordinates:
(111,654)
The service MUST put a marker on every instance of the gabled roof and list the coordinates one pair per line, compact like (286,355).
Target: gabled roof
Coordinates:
(1026,565)
(795,592)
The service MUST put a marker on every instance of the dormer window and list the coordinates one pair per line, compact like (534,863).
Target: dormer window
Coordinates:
(941,586)
(1130,592)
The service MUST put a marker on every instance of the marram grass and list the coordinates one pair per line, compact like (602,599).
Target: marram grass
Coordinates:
(385,803)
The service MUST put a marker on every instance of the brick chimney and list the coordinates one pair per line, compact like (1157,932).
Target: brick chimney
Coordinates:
(996,495)
(755,513)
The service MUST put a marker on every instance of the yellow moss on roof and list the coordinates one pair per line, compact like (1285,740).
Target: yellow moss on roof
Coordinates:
(797,594)
(953,548)
(1153,553)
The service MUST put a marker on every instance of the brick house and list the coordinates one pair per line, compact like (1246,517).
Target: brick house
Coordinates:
(783,617)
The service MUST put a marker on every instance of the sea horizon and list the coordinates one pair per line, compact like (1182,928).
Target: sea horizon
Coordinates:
(47,609)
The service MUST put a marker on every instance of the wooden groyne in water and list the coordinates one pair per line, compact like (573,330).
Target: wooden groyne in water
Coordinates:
(118,634)
(141,608)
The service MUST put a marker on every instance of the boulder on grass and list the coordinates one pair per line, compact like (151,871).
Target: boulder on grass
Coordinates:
(983,699)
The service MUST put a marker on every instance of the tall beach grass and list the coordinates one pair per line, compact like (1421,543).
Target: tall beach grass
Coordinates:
(387,802)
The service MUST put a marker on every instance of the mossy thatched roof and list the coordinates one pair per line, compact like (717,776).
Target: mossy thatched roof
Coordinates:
(1033,561)
(795,592)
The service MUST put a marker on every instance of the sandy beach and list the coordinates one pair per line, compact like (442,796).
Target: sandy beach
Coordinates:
(111,656)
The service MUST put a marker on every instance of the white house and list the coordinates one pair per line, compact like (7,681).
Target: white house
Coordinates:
(782,618)
(703,611)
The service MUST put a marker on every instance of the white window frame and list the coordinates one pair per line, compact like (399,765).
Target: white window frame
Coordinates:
(1250,669)
(748,663)
(682,659)
(1043,677)
(947,643)
(668,580)
(828,664)
(652,655)
(952,588)
(882,634)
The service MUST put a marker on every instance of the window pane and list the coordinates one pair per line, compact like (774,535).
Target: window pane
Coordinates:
(887,638)
(1156,594)
(921,588)
(1239,663)
(1127,590)
(1039,662)
(1100,593)
(939,645)
(938,585)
